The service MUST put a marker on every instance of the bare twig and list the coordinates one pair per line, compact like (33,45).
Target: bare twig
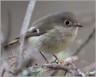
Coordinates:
(86,42)
(74,71)
(62,66)
(24,28)
(5,67)
(77,71)
(57,66)
(44,57)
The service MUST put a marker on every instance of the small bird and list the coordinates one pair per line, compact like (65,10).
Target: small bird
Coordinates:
(52,33)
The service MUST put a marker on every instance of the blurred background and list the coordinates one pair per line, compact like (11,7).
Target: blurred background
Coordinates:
(13,12)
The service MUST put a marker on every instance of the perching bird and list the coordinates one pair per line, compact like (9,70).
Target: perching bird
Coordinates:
(52,33)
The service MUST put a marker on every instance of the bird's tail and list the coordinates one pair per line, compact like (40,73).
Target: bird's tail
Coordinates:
(11,43)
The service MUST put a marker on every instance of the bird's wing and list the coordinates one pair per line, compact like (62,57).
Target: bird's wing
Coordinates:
(43,26)
(29,33)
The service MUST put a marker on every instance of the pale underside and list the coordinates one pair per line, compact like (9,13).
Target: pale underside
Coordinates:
(54,41)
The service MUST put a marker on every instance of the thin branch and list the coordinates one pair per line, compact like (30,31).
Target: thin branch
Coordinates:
(63,66)
(86,42)
(44,57)
(5,67)
(31,5)
(74,71)
(57,66)
(77,71)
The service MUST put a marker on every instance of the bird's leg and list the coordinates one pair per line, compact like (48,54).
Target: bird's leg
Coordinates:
(47,62)
(57,60)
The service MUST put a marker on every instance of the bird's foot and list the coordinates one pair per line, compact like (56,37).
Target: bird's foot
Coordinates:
(58,61)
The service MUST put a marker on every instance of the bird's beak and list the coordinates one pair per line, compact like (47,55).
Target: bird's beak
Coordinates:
(78,25)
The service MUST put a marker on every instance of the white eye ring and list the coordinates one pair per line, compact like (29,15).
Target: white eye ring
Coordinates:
(32,28)
(68,22)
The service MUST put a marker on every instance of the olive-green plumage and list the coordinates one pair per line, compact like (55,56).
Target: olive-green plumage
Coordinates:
(57,31)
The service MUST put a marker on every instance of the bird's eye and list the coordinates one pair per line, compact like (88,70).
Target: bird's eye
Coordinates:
(68,22)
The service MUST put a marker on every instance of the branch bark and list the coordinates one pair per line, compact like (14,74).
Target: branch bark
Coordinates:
(25,25)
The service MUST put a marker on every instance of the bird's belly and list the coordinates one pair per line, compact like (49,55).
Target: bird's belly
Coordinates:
(51,43)
(54,44)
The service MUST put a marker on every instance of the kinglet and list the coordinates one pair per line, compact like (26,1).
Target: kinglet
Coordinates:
(52,33)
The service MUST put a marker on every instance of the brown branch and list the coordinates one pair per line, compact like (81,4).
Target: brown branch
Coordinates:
(44,57)
(61,67)
(73,71)
(57,66)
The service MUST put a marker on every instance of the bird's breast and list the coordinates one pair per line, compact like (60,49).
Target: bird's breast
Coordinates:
(55,43)
(52,42)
